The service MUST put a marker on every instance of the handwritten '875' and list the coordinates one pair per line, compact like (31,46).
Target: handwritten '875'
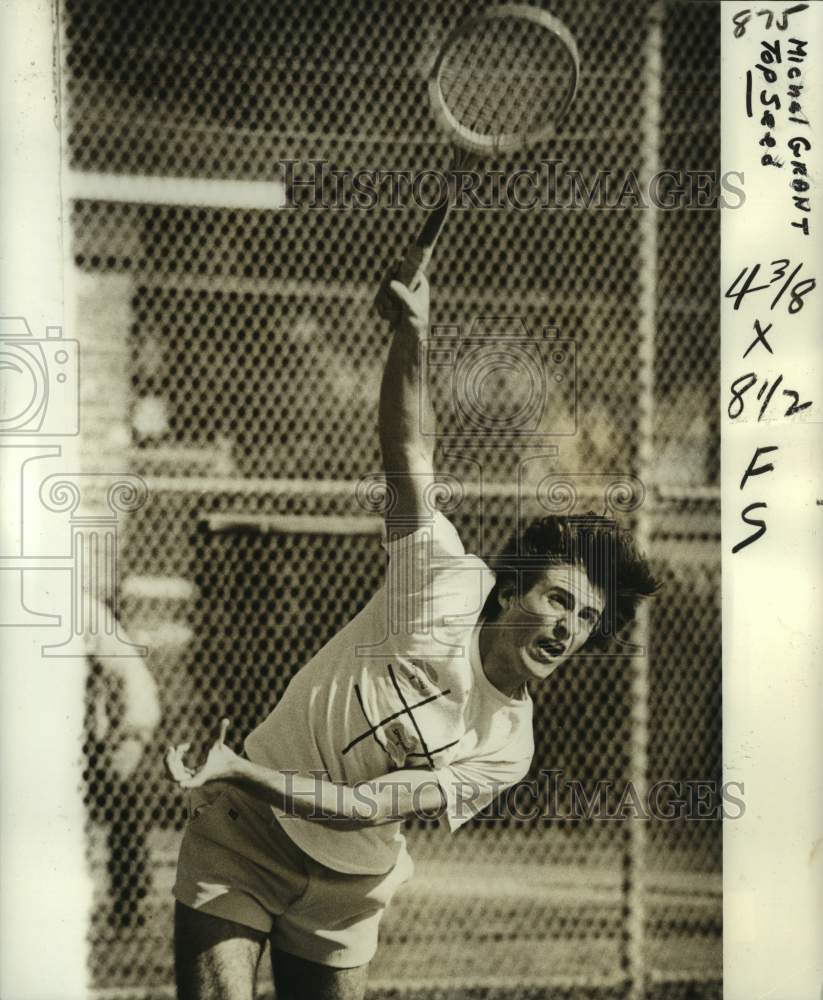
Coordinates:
(780,21)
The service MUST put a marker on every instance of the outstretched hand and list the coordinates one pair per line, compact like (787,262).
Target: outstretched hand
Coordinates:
(406,308)
(221,763)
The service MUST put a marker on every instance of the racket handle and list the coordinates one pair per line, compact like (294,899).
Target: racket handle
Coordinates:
(419,254)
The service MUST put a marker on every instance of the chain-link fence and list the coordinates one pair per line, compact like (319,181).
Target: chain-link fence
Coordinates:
(249,365)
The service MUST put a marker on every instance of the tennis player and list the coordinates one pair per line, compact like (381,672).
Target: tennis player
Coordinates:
(419,706)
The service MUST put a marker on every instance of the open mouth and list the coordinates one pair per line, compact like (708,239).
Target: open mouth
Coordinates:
(547,650)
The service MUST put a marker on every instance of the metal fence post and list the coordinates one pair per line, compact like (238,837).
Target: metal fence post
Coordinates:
(636,829)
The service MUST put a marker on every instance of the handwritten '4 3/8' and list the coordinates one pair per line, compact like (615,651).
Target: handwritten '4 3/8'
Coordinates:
(744,284)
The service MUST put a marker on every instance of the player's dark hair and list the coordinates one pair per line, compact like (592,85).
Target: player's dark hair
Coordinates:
(608,553)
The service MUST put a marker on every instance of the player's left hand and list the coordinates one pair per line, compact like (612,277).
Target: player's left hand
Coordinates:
(221,764)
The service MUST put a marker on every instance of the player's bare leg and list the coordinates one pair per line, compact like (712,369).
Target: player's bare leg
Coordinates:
(214,959)
(298,979)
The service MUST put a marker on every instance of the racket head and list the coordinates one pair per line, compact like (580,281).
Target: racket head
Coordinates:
(504,78)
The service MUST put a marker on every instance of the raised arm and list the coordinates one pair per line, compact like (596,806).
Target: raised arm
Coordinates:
(405,407)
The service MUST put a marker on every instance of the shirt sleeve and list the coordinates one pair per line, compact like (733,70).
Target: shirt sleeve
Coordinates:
(470,785)
(435,591)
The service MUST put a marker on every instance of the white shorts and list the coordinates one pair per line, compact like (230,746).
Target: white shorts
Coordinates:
(236,862)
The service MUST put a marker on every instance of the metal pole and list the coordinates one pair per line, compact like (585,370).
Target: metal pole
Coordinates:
(635,829)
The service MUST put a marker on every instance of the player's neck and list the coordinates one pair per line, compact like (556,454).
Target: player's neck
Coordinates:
(495,666)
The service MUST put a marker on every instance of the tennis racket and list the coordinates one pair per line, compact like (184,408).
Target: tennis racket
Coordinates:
(503,80)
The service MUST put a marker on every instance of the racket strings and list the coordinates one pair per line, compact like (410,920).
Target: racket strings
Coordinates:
(469,99)
(474,80)
(505,81)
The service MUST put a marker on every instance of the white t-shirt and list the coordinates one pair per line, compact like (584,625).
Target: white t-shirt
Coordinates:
(401,686)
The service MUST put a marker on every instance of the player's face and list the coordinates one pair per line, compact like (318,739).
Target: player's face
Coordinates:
(552,620)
